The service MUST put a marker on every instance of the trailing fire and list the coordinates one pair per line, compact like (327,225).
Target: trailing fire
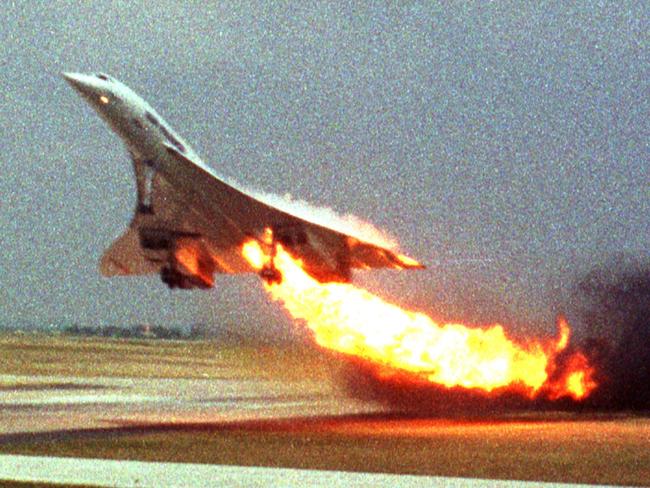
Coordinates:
(353,321)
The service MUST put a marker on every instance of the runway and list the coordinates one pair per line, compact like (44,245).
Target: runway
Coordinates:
(256,415)
(38,404)
(129,474)
(48,407)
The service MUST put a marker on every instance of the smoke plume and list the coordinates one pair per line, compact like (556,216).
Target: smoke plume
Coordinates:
(615,302)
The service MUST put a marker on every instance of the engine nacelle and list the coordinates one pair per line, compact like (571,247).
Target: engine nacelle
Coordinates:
(153,239)
(174,278)
(187,262)
(324,256)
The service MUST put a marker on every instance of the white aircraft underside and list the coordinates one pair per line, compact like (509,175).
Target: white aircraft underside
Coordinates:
(189,223)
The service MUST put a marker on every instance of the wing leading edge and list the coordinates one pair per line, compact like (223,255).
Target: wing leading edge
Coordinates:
(251,216)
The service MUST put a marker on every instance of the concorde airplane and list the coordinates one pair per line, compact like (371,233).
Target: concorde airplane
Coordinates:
(190,223)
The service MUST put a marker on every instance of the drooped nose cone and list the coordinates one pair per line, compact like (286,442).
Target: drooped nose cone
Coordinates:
(94,88)
(80,82)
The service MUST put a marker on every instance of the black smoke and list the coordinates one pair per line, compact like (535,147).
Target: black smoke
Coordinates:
(403,394)
(615,308)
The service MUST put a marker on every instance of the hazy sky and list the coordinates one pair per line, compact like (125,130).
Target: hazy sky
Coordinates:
(505,144)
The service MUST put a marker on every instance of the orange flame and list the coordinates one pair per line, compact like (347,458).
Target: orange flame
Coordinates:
(577,380)
(351,320)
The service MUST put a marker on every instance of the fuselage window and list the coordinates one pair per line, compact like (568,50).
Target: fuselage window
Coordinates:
(171,139)
(152,119)
(165,131)
(178,145)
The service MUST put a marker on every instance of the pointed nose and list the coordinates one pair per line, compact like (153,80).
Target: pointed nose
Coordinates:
(73,78)
(80,82)
(69,75)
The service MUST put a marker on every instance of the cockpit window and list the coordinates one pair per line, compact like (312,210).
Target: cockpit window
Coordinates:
(104,77)
(171,139)
(152,119)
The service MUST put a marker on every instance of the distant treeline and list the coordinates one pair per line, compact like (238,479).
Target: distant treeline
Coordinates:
(142,332)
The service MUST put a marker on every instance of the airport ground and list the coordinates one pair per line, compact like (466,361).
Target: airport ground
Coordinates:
(192,401)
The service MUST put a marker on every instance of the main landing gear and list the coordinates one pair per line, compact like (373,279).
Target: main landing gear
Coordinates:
(269,272)
(271,275)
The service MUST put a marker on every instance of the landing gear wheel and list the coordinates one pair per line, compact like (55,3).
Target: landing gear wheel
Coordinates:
(169,277)
(271,275)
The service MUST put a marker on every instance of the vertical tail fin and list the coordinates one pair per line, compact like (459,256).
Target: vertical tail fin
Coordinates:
(125,257)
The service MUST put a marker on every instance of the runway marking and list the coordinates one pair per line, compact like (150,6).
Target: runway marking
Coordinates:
(118,473)
(244,403)
(83,399)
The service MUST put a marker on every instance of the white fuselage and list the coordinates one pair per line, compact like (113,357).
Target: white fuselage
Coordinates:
(190,222)
(142,129)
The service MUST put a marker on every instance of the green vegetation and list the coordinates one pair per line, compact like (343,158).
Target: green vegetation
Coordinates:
(58,355)
(28,484)
(142,331)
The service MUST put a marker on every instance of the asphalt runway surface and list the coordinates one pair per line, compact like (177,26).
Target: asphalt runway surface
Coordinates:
(260,413)
(40,404)
(293,424)
(110,473)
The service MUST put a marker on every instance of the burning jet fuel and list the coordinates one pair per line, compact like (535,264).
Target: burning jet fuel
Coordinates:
(353,321)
